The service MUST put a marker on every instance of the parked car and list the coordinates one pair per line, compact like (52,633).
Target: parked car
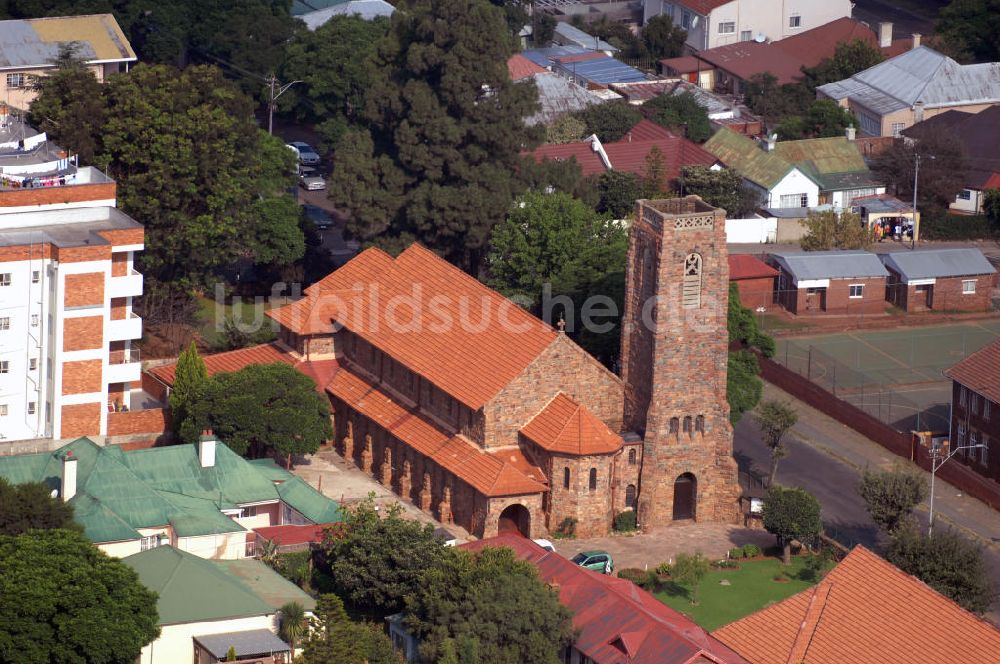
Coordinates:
(545,544)
(306,154)
(321,218)
(310,180)
(597,561)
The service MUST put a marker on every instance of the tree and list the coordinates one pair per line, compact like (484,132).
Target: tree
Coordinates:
(231,654)
(610,121)
(991,206)
(848,59)
(190,377)
(490,598)
(438,160)
(544,29)
(791,514)
(775,418)
(823,119)
(947,562)
(69,105)
(743,385)
(565,129)
(688,570)
(891,495)
(765,97)
(943,167)
(293,623)
(64,600)
(379,561)
(334,63)
(615,33)
(971,29)
(30,505)
(654,183)
(722,188)
(830,230)
(743,327)
(261,408)
(334,639)
(662,38)
(618,191)
(682,113)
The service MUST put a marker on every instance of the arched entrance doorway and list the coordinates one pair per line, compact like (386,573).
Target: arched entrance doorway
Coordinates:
(685,496)
(515,519)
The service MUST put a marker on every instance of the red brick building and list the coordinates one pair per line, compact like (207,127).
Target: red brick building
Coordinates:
(830,282)
(940,280)
(755,280)
(975,411)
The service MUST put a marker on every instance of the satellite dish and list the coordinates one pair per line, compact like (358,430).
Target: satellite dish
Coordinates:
(55,493)
(760,38)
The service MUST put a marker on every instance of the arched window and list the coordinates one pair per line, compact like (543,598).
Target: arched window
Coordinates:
(691,292)
(699,424)
(631,457)
(675,425)
(630,496)
(687,424)
(566,477)
(593,479)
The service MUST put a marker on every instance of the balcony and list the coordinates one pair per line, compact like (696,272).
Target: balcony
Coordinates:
(124,366)
(129,285)
(125,328)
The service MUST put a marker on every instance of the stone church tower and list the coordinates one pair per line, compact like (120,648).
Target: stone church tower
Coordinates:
(674,359)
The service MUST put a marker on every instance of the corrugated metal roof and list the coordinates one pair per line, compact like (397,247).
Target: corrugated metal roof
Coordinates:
(824,155)
(846,264)
(744,156)
(261,580)
(938,263)
(559,96)
(367,9)
(601,69)
(36,42)
(577,37)
(244,644)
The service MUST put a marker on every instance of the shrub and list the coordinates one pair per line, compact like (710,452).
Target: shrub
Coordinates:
(663,569)
(636,576)
(726,564)
(943,226)
(736,553)
(625,521)
(751,550)
(566,529)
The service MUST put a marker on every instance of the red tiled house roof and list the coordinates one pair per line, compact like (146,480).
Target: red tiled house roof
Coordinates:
(289,535)
(703,7)
(745,266)
(980,372)
(866,611)
(566,427)
(520,67)
(618,622)
(233,360)
(589,160)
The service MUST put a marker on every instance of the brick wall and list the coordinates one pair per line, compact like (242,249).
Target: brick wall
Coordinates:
(973,414)
(590,507)
(756,292)
(23,252)
(154,421)
(320,344)
(119,264)
(82,254)
(948,295)
(562,366)
(58,195)
(81,420)
(154,388)
(119,308)
(838,300)
(123,236)
(81,377)
(85,289)
(83,333)
(626,469)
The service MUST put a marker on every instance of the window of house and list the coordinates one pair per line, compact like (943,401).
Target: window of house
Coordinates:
(147,543)
(35,276)
(986,408)
(675,424)
(15,80)
(630,496)
(686,20)
(856,290)
(961,435)
(984,451)
(31,408)
(249,511)
(34,320)
(33,364)
(3,410)
(975,402)
(727,27)
(699,424)
(795,200)
(973,441)
(5,323)
(870,124)
(631,457)
(794,21)
(593,479)
(962,395)
(687,424)
(968,286)
(746,35)
(691,294)
(965,195)
(897,128)
(4,366)
(4,278)
(566,477)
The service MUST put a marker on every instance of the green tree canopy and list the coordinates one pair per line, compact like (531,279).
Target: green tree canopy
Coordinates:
(64,600)
(190,377)
(446,127)
(829,230)
(262,408)
(775,418)
(378,561)
(791,514)
(662,38)
(823,119)
(610,121)
(891,495)
(618,191)
(688,570)
(722,188)
(765,97)
(334,639)
(293,624)
(69,105)
(943,167)
(680,112)
(565,129)
(492,599)
(947,562)
(971,29)
(848,59)
(27,506)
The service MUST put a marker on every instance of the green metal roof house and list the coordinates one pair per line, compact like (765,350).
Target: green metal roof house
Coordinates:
(798,174)
(202,498)
(206,606)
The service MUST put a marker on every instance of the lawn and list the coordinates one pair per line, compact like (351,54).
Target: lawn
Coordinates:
(752,587)
(246,312)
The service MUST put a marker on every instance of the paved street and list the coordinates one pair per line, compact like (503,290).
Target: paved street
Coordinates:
(904,21)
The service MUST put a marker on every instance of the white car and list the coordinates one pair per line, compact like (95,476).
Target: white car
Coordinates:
(545,544)
(312,182)
(305,152)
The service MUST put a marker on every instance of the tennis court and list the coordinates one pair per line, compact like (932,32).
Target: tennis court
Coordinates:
(895,375)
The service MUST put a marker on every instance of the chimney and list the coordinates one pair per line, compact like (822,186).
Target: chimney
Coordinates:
(918,111)
(68,476)
(884,34)
(851,132)
(916,40)
(769,143)
(206,449)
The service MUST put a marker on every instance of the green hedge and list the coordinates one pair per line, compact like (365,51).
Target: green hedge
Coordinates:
(943,226)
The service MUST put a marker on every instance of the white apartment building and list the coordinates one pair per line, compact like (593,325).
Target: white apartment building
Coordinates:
(67,290)
(711,23)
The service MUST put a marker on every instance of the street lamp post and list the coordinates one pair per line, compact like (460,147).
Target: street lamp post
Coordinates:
(916,175)
(276,91)
(939,456)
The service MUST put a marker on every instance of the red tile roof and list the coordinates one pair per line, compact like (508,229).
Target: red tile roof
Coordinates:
(488,474)
(310,315)
(645,130)
(684,64)
(288,535)
(233,360)
(321,371)
(618,623)
(980,372)
(703,7)
(745,266)
(566,427)
(865,611)
(590,161)
(992,182)
(375,296)
(520,67)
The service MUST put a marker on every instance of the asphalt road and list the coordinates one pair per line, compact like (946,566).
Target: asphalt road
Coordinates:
(904,21)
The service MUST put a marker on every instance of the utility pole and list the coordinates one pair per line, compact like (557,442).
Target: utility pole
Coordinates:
(276,91)
(916,174)
(939,456)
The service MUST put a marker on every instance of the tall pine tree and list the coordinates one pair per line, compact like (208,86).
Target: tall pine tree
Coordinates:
(190,377)
(438,159)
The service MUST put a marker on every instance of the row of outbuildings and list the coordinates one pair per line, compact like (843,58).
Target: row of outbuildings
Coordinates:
(856,282)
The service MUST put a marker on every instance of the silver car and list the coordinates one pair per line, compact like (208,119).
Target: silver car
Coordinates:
(307,155)
(312,182)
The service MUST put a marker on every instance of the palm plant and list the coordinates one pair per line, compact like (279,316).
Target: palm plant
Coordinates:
(293,623)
